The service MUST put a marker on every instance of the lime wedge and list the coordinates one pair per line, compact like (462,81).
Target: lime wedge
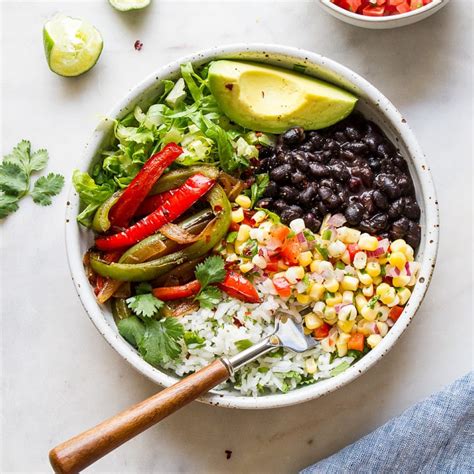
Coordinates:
(72,46)
(126,5)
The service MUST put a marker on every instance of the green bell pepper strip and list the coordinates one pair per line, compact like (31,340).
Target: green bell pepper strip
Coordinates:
(214,232)
(101,222)
(120,309)
(176,178)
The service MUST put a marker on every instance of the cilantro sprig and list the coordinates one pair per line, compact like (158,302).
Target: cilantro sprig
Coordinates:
(15,178)
(144,303)
(209,272)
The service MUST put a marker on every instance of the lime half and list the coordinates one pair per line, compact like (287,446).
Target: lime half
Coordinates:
(72,46)
(126,5)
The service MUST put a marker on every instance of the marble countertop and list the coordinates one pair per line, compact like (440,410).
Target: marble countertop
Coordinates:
(59,376)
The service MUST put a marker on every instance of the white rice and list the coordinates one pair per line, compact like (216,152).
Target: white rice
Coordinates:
(271,373)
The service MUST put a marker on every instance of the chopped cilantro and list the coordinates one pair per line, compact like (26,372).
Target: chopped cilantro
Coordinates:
(322,251)
(243,344)
(145,305)
(231,238)
(258,187)
(373,301)
(192,337)
(210,271)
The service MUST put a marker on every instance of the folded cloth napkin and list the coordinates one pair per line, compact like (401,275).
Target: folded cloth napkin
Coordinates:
(434,436)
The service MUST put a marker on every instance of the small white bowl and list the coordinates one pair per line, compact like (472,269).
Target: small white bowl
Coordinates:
(373,104)
(383,22)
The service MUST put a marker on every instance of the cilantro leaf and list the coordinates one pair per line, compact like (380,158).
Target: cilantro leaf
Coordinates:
(45,187)
(258,188)
(13,180)
(132,330)
(209,297)
(8,204)
(143,288)
(20,156)
(192,337)
(243,344)
(145,305)
(38,160)
(160,342)
(210,271)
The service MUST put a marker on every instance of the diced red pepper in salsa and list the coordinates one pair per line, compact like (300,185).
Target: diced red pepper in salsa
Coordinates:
(377,8)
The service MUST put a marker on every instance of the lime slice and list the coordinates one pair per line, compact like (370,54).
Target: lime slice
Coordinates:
(72,46)
(126,5)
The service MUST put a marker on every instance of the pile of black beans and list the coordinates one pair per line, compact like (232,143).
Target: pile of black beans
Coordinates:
(350,168)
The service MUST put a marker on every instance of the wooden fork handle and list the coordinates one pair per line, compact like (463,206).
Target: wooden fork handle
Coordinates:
(79,452)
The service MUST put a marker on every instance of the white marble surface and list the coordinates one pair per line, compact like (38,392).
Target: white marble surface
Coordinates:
(59,376)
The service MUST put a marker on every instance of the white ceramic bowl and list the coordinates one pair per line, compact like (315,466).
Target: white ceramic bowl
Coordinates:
(373,104)
(384,22)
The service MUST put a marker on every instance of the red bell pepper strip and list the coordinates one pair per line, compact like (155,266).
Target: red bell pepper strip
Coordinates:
(184,197)
(151,203)
(169,293)
(124,209)
(239,287)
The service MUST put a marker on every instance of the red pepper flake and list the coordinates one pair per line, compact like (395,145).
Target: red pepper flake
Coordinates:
(228,453)
(229,86)
(138,45)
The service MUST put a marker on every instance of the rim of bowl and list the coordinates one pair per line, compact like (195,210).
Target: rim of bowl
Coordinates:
(427,192)
(382,19)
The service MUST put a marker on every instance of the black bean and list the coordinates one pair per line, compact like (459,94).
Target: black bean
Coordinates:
(354,213)
(384,150)
(347,155)
(306,147)
(358,148)
(365,225)
(352,133)
(328,182)
(355,184)
(379,221)
(388,185)
(307,196)
(315,139)
(395,209)
(340,172)
(343,197)
(281,173)
(322,208)
(374,163)
(399,228)
(400,162)
(271,190)
(324,192)
(380,200)
(340,137)
(312,222)
(297,178)
(301,161)
(266,152)
(279,205)
(372,140)
(413,236)
(318,170)
(405,185)
(290,213)
(332,201)
(412,210)
(264,202)
(288,193)
(367,201)
(294,136)
(326,156)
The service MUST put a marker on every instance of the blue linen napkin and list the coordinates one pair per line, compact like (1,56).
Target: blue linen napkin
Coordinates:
(434,436)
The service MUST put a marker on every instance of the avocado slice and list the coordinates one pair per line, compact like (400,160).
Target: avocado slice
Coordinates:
(271,99)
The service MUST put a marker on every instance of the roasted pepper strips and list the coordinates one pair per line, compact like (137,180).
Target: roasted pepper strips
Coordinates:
(101,222)
(175,178)
(153,202)
(214,233)
(126,206)
(181,200)
(239,287)
(169,293)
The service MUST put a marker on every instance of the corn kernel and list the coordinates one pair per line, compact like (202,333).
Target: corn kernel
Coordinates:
(373,269)
(307,331)
(404,295)
(294,274)
(305,258)
(368,313)
(302,298)
(345,326)
(347,296)
(341,349)
(314,265)
(318,308)
(316,292)
(382,312)
(348,312)
(239,246)
(360,302)
(331,285)
(330,315)
(343,338)
(382,289)
(364,278)
(348,235)
(346,257)
(398,245)
(409,253)
(246,267)
(383,260)
(377,280)
(334,300)
(373,340)
(401,281)
(336,249)
(259,216)
(327,345)
(312,321)
(297,225)
(325,266)
(395,302)
(364,327)
(397,259)
(367,242)
(382,327)
(259,261)
(310,365)
(238,215)
(349,283)
(360,260)
(243,201)
(388,297)
(368,291)
(243,233)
